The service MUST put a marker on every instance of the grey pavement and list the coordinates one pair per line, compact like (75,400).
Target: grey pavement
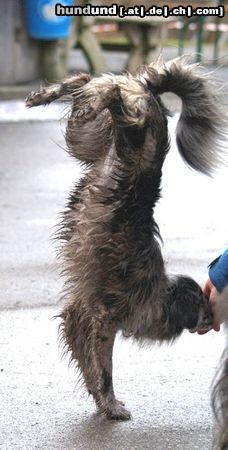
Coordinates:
(167,388)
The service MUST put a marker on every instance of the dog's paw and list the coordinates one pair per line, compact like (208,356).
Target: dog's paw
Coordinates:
(116,411)
(35,98)
(205,319)
(48,94)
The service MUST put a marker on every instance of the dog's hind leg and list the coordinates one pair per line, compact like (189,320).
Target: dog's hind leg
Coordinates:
(90,339)
(87,142)
(48,94)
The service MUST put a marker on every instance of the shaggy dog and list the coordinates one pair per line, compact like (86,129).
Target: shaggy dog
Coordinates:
(116,279)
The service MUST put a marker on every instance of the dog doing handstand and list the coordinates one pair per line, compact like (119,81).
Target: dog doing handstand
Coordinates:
(116,279)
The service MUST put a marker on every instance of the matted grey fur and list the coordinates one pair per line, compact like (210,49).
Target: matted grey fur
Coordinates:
(116,279)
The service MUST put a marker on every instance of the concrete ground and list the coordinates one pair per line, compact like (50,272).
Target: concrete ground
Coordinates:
(166,388)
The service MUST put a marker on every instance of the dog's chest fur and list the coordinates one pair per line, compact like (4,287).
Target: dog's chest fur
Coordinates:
(112,246)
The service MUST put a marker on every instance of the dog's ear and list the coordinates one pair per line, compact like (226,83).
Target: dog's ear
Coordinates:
(201,132)
(46,95)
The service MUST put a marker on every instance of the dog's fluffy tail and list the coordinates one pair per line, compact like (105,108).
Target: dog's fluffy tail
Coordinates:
(220,389)
(202,128)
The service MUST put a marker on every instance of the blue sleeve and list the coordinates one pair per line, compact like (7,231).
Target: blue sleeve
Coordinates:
(218,271)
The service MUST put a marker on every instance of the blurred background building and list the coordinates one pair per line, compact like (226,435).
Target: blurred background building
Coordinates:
(90,41)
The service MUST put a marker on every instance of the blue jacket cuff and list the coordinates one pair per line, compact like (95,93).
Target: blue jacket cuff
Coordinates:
(218,271)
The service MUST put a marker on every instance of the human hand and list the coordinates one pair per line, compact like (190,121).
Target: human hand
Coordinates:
(211,292)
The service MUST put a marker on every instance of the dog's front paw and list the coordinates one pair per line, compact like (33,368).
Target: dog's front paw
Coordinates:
(118,412)
(205,317)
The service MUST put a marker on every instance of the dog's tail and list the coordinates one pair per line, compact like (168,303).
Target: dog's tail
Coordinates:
(201,131)
(220,388)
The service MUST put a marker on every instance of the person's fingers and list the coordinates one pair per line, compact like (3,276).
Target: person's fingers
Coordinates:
(214,299)
(201,332)
(214,295)
(216,326)
(207,288)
